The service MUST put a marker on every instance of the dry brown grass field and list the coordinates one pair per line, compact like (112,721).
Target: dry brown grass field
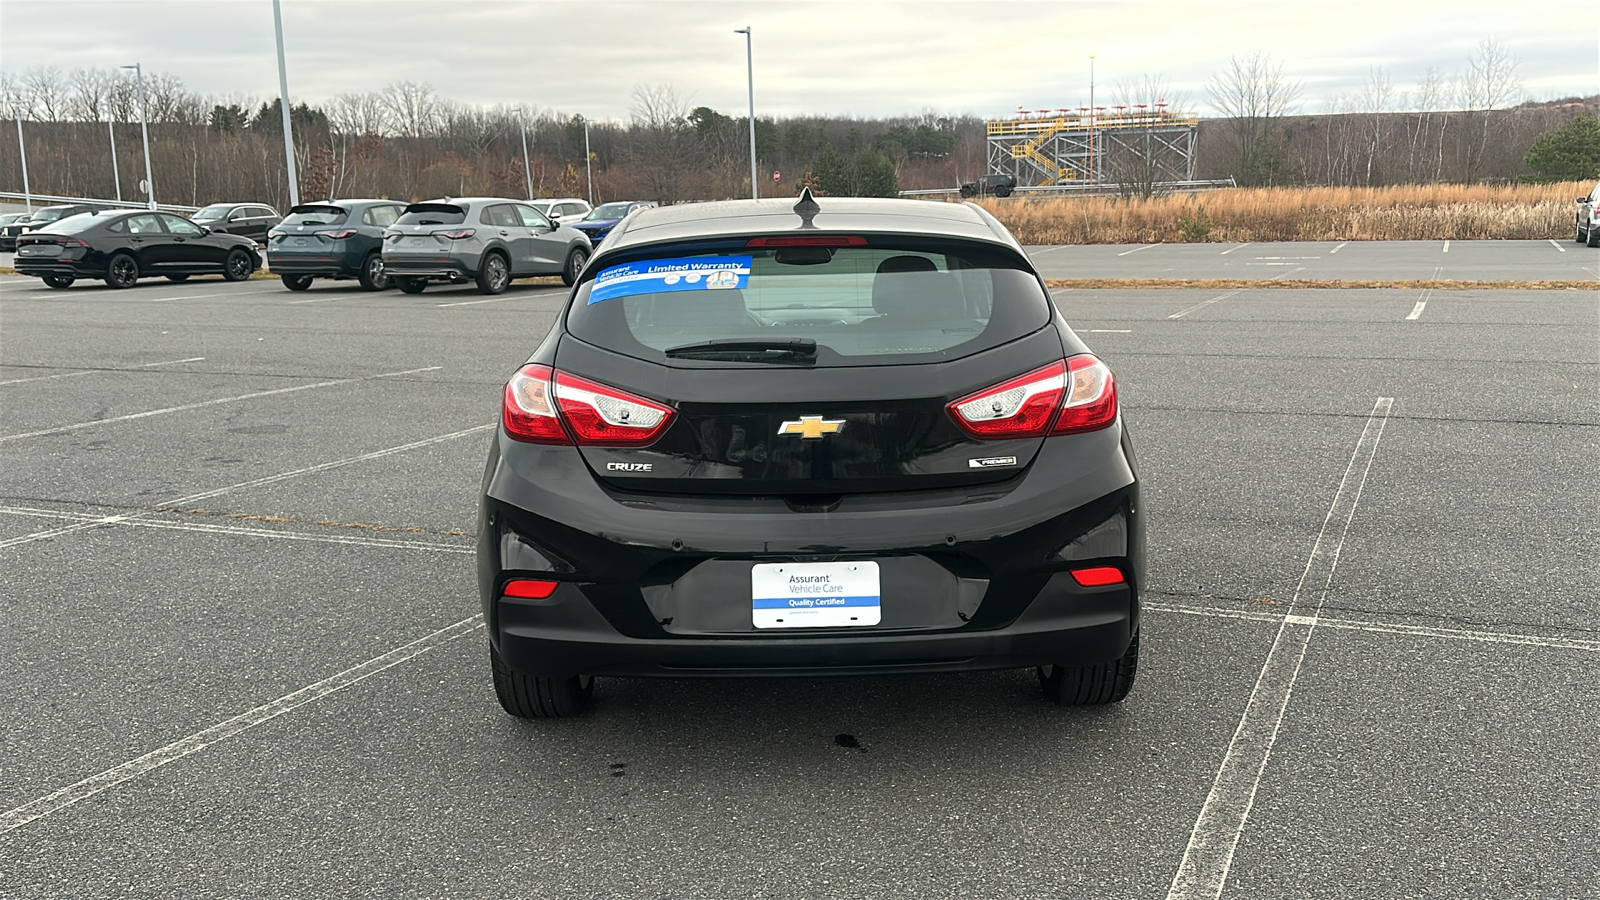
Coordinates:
(1404,213)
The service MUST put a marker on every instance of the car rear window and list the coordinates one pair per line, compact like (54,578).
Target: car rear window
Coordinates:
(316,215)
(914,302)
(75,224)
(432,214)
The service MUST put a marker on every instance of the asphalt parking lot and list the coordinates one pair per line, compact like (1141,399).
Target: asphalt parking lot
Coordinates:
(241,658)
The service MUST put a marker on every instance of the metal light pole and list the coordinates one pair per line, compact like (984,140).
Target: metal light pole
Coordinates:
(116,175)
(750,71)
(588,161)
(527,170)
(283,91)
(144,126)
(27,195)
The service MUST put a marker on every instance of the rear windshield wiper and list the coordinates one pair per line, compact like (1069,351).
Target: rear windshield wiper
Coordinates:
(742,350)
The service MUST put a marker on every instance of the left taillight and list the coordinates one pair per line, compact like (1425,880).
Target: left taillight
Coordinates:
(337,235)
(1068,397)
(544,406)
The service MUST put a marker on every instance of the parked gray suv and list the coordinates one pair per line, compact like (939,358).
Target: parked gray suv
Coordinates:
(489,240)
(1589,218)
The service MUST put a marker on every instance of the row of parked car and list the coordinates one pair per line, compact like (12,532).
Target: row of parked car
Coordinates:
(487,240)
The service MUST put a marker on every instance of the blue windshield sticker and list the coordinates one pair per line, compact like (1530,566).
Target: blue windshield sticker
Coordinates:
(664,276)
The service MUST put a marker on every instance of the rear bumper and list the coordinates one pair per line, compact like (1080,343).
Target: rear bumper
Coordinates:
(651,586)
(1063,624)
(322,266)
(39,268)
(403,268)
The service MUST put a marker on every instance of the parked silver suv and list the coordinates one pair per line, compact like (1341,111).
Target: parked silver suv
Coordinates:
(489,240)
(1589,218)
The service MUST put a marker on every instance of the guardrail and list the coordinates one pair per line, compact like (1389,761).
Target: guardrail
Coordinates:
(48,199)
(1165,187)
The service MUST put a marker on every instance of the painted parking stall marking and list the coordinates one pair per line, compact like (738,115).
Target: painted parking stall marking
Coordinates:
(1203,871)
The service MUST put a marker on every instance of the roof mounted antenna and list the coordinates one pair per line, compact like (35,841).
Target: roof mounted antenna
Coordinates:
(807,208)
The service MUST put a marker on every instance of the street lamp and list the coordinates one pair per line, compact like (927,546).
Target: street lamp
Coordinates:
(750,69)
(144,126)
(116,175)
(527,169)
(283,92)
(588,160)
(27,193)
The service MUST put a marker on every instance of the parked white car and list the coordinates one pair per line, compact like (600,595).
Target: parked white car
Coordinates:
(570,209)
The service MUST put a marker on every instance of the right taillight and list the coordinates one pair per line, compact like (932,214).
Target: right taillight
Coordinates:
(1073,395)
(1091,401)
(544,406)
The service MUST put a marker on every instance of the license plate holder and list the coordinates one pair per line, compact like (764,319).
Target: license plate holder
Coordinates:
(815,595)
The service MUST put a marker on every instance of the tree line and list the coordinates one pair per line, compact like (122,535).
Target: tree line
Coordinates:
(406,141)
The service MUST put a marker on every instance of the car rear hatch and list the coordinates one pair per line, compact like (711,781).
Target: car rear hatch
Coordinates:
(426,233)
(313,229)
(803,370)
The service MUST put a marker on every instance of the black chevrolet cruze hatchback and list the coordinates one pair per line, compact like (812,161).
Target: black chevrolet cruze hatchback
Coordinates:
(838,437)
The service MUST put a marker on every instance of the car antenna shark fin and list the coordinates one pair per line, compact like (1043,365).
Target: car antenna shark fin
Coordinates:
(807,208)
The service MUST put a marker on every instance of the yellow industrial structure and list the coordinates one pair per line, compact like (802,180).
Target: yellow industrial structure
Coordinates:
(1094,147)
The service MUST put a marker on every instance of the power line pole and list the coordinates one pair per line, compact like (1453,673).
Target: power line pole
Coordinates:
(116,174)
(27,194)
(588,161)
(527,169)
(144,128)
(283,91)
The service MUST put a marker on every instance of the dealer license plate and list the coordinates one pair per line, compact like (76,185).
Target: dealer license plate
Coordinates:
(814,595)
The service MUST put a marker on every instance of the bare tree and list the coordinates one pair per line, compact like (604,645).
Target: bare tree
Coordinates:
(1254,96)
(358,114)
(660,142)
(1142,156)
(1375,101)
(46,93)
(1489,82)
(413,108)
(1428,101)
(87,100)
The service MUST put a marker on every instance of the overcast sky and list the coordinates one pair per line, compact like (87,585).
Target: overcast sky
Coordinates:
(861,58)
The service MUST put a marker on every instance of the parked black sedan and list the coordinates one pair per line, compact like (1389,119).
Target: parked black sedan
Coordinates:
(846,438)
(40,218)
(122,246)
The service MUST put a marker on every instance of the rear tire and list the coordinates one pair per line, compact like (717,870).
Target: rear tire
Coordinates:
(296,282)
(1594,237)
(576,260)
(237,266)
(1096,685)
(1581,236)
(411,284)
(178,279)
(538,696)
(494,274)
(59,281)
(371,276)
(122,272)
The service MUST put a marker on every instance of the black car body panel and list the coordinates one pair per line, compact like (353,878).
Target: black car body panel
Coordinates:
(160,243)
(977,543)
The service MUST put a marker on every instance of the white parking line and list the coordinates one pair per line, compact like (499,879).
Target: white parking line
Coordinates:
(194,296)
(1557,246)
(1110,331)
(62,429)
(1447,246)
(1373,625)
(139,521)
(169,362)
(314,300)
(476,302)
(1137,249)
(1337,249)
(1422,303)
(1179,315)
(1240,247)
(1203,871)
(228,728)
(254,482)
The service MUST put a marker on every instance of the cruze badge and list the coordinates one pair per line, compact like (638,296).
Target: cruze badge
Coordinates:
(629,467)
(811,428)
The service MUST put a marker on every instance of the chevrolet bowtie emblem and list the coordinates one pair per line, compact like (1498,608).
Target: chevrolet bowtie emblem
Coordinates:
(812,427)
